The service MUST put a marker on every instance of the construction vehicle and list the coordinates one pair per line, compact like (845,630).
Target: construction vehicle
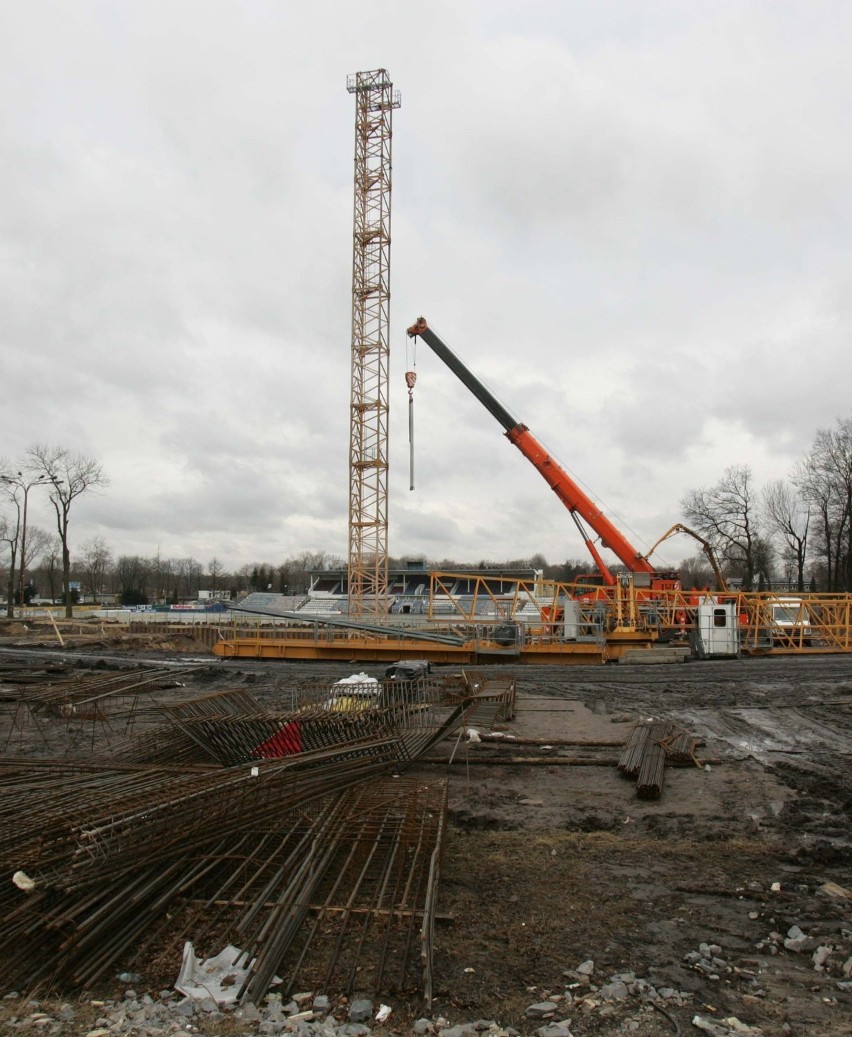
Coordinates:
(580,506)
(789,621)
(709,554)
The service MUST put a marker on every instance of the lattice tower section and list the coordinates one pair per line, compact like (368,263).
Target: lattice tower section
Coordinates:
(375,100)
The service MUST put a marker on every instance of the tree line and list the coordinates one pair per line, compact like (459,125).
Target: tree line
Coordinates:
(795,533)
(137,580)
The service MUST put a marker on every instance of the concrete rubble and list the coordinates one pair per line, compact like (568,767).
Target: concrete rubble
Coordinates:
(627,999)
(168,1013)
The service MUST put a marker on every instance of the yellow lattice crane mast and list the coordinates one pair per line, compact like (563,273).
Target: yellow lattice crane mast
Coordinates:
(375,100)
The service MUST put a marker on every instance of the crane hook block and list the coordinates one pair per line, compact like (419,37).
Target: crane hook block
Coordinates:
(410,379)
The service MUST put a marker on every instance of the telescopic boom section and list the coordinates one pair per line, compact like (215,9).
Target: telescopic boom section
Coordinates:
(574,499)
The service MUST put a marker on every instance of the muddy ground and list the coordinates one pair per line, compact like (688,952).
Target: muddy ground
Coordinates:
(554,861)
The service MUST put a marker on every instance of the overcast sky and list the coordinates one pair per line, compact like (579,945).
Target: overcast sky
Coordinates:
(631,220)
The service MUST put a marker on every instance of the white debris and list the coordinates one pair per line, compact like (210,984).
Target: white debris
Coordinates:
(796,940)
(356,678)
(728,1027)
(23,882)
(219,978)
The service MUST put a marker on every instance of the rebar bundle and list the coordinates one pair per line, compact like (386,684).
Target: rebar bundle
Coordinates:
(652,744)
(679,746)
(649,783)
(630,761)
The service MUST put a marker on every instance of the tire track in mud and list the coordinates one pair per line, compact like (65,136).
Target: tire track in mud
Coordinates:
(759,731)
(791,715)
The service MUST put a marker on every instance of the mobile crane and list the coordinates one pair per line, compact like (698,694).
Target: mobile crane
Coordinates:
(578,503)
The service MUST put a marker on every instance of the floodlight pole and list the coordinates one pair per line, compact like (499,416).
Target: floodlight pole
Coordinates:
(25,487)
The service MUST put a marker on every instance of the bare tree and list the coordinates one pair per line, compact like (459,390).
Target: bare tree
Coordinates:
(216,571)
(70,476)
(727,516)
(9,538)
(695,573)
(188,572)
(96,560)
(38,541)
(788,516)
(131,573)
(242,578)
(300,567)
(824,479)
(51,565)
(11,530)
(285,580)
(162,572)
(818,493)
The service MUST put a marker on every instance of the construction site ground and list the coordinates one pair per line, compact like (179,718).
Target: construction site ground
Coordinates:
(552,860)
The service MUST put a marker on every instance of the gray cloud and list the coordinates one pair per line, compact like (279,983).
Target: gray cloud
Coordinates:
(633,225)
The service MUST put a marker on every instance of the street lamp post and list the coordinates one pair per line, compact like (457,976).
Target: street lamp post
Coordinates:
(25,487)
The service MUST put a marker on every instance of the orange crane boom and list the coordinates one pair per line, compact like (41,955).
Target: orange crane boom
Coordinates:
(566,489)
